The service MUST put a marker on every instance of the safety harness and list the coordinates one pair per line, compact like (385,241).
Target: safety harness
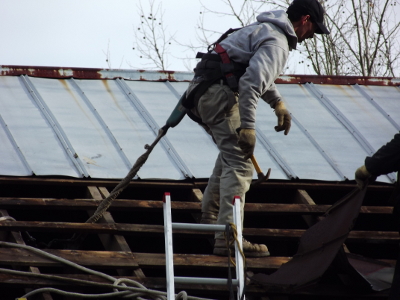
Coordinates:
(212,69)
(227,68)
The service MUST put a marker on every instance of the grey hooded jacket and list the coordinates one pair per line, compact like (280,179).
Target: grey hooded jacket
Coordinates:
(264,46)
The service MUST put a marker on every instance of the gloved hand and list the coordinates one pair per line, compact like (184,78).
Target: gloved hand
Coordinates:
(361,176)
(284,118)
(247,141)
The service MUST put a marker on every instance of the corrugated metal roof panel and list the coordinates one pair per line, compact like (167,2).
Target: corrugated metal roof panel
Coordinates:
(31,132)
(13,161)
(83,130)
(298,150)
(98,128)
(186,137)
(128,128)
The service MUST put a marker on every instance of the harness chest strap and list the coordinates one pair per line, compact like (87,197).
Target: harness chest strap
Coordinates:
(212,70)
(222,53)
(227,68)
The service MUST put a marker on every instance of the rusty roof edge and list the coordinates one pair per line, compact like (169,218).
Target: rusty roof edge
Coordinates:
(178,76)
(338,80)
(93,73)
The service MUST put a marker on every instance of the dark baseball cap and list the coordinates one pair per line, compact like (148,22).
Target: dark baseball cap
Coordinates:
(312,8)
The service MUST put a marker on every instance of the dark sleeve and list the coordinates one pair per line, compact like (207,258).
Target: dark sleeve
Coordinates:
(386,159)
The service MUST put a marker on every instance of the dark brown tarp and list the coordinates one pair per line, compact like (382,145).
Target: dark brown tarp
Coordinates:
(321,247)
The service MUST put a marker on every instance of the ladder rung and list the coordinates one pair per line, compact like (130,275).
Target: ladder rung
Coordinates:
(169,260)
(202,280)
(199,227)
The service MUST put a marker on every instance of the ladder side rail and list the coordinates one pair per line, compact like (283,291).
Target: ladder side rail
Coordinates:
(237,220)
(169,263)
(168,228)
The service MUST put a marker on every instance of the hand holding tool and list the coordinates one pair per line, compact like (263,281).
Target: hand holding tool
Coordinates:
(247,141)
(260,174)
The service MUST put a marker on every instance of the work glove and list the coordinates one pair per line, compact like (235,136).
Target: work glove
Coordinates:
(247,141)
(361,176)
(284,118)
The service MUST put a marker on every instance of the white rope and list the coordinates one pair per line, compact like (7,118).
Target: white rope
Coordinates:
(6,218)
(64,293)
(67,279)
(139,291)
(182,295)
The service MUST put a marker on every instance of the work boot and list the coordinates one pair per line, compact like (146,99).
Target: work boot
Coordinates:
(249,249)
(208,218)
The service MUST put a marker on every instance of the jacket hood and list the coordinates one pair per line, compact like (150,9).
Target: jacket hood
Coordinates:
(280,19)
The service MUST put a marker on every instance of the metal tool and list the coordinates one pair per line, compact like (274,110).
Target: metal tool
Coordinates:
(260,174)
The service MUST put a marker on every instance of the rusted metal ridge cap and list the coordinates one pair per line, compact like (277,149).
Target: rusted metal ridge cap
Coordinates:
(338,80)
(178,76)
(92,73)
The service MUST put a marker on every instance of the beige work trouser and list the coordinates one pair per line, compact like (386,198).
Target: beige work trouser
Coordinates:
(219,110)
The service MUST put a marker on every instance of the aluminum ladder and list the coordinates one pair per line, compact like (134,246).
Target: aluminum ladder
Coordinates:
(169,263)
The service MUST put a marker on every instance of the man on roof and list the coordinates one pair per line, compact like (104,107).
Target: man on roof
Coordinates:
(238,69)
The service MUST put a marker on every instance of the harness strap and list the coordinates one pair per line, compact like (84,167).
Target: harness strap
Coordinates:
(222,37)
(222,53)
(212,70)
(227,67)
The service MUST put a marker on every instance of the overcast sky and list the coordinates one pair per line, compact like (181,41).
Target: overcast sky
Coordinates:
(77,33)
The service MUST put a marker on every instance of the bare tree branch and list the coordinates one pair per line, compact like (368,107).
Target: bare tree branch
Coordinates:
(151,40)
(364,39)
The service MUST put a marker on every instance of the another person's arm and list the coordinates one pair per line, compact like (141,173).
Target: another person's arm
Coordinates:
(384,161)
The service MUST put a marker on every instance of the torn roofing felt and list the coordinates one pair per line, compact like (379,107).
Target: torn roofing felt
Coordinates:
(321,247)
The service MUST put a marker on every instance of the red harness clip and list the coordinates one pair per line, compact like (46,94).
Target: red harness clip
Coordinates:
(222,53)
(227,68)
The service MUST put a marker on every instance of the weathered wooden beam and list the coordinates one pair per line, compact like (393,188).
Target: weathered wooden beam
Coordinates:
(94,228)
(111,242)
(324,291)
(103,259)
(155,283)
(136,229)
(148,205)
(284,184)
(323,186)
(127,260)
(16,237)
(302,197)
(196,196)
(196,260)
(91,182)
